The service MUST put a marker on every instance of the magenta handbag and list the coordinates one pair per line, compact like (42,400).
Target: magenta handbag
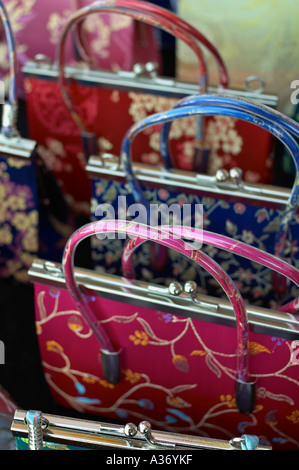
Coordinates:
(227,369)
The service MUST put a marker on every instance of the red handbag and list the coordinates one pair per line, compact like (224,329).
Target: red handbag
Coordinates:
(65,143)
(179,360)
(51,105)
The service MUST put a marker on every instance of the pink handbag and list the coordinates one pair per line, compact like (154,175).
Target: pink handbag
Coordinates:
(37,26)
(130,331)
(65,105)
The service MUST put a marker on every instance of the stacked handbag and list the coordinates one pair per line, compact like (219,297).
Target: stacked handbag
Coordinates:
(34,215)
(190,326)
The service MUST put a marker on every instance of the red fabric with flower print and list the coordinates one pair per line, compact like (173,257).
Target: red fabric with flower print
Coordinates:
(175,374)
(232,142)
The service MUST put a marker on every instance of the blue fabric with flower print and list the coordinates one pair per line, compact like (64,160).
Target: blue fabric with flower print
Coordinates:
(251,224)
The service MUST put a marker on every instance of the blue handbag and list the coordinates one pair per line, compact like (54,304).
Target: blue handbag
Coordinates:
(259,215)
(33,214)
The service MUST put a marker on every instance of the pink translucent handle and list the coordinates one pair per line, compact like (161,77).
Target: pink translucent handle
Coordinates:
(157,235)
(153,15)
(227,244)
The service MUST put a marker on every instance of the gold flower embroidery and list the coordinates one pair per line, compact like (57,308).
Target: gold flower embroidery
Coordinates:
(132,377)
(139,338)
(16,203)
(30,242)
(198,352)
(75,323)
(5,237)
(231,402)
(89,379)
(256,348)
(20,221)
(16,162)
(106,384)
(294,417)
(177,402)
(53,346)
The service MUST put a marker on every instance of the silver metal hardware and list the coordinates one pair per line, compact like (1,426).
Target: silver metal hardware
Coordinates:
(147,295)
(36,424)
(251,79)
(125,80)
(53,269)
(236,175)
(42,59)
(9,118)
(16,146)
(146,430)
(93,434)
(236,442)
(175,288)
(139,69)
(177,180)
(152,69)
(222,175)
(191,288)
(130,430)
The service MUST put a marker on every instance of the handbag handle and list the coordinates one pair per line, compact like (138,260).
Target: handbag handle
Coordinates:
(230,109)
(225,243)
(243,104)
(109,356)
(121,7)
(151,14)
(10,109)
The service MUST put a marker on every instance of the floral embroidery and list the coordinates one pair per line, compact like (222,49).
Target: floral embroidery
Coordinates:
(294,417)
(178,402)
(106,384)
(198,353)
(18,218)
(256,348)
(158,392)
(181,363)
(132,377)
(53,346)
(246,223)
(229,400)
(139,338)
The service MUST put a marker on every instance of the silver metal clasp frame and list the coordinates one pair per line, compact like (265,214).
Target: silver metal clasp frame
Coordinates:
(144,428)
(43,430)
(36,424)
(191,288)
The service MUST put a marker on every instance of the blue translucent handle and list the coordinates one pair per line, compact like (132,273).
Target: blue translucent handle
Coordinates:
(222,99)
(232,109)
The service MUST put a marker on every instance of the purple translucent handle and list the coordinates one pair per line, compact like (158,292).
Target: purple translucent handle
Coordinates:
(157,235)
